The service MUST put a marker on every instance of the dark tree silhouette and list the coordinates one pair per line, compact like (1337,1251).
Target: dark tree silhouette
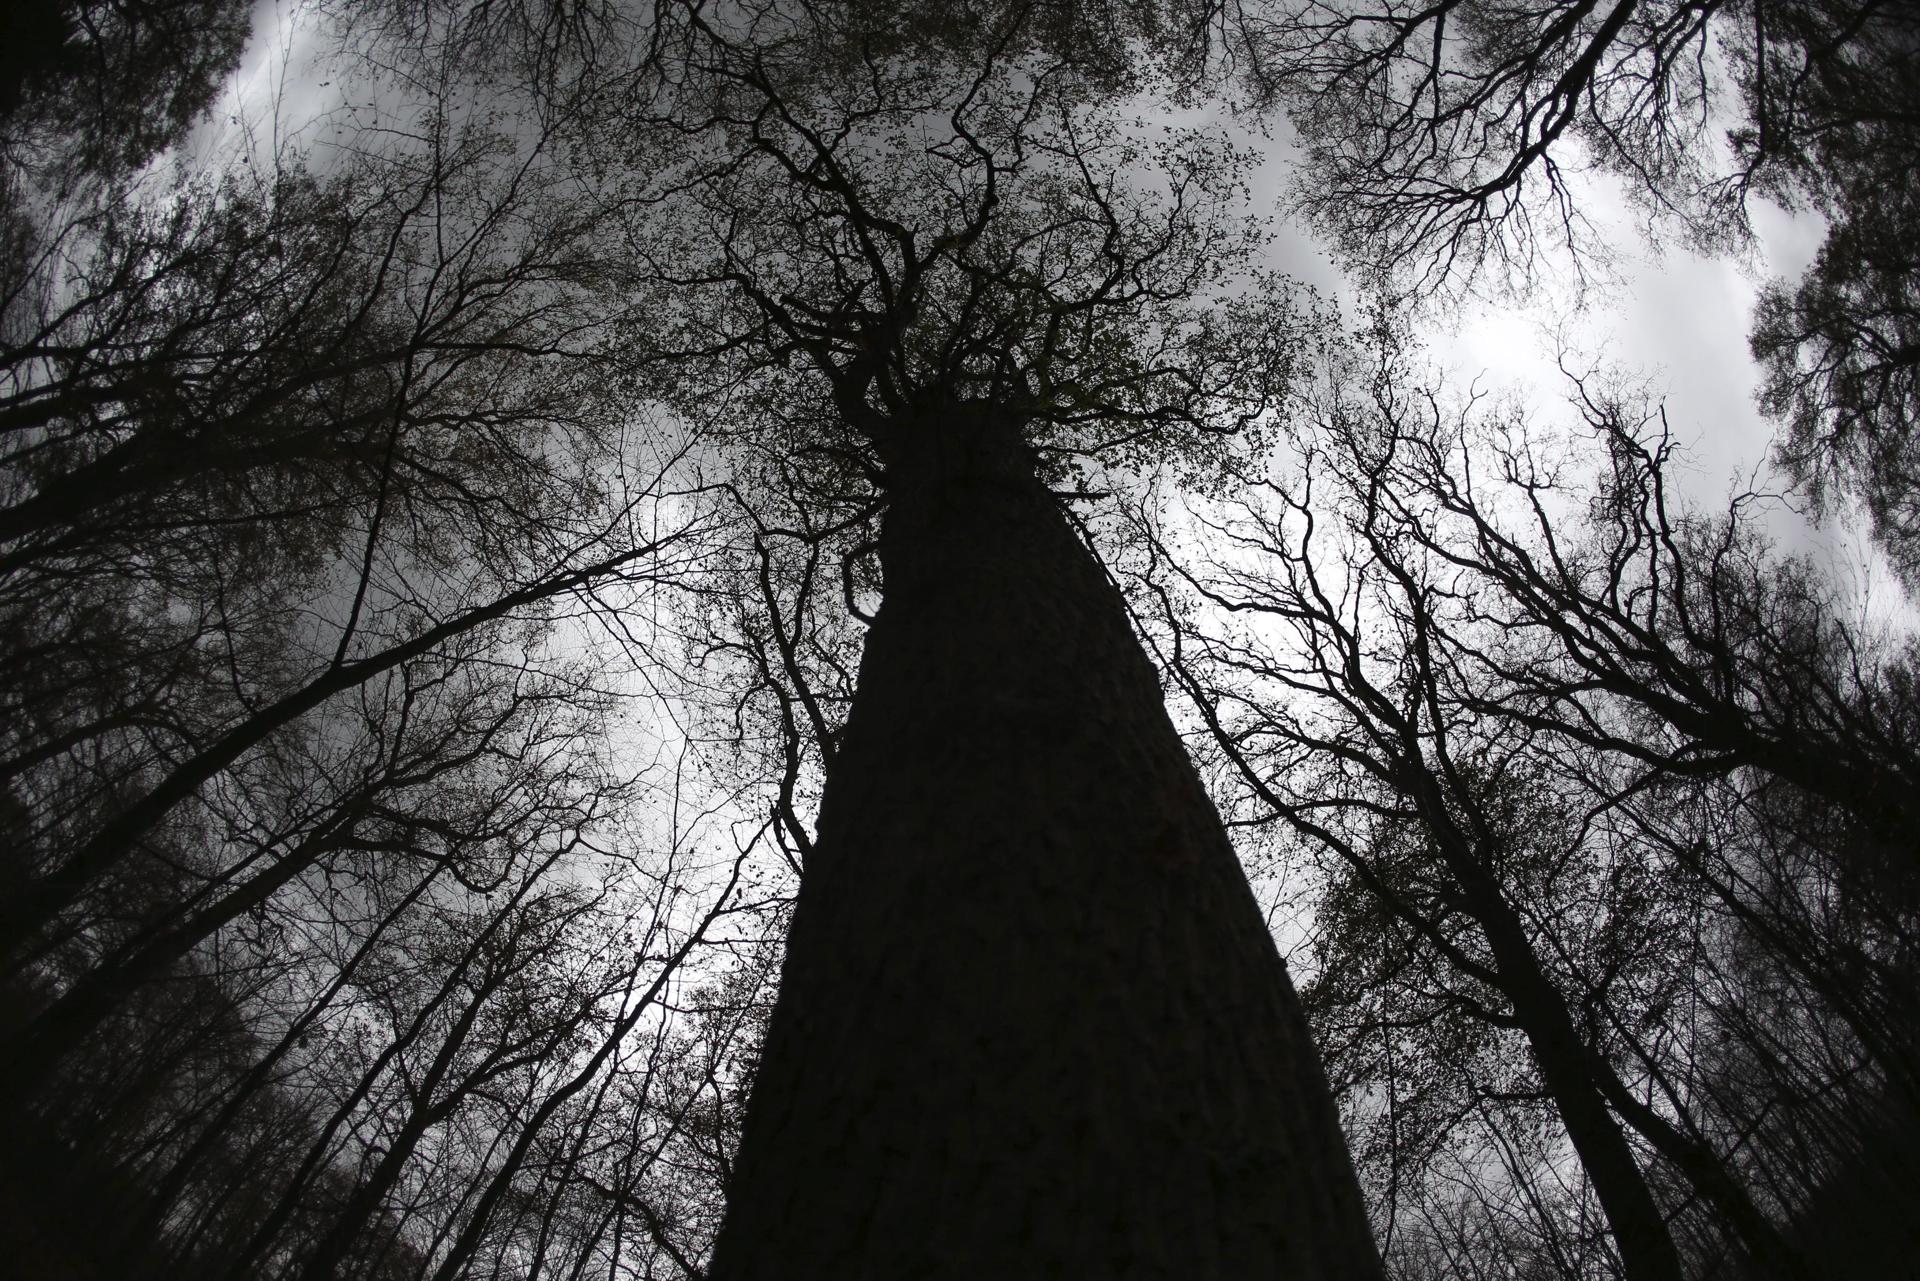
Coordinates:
(1841,354)
(93,89)
(1444,139)
(1030,1019)
(1837,94)
(1607,775)
(336,943)
(1445,142)
(1403,770)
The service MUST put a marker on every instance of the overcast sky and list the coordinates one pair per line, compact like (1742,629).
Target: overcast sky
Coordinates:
(1671,318)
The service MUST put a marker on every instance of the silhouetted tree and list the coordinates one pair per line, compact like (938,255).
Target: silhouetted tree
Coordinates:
(329,916)
(1444,141)
(1029,1016)
(90,90)
(336,945)
(1591,770)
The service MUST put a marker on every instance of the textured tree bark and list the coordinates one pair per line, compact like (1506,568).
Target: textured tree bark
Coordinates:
(1031,1023)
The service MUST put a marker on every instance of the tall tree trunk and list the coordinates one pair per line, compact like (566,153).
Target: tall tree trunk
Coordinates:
(1582,1081)
(1031,1021)
(1640,1231)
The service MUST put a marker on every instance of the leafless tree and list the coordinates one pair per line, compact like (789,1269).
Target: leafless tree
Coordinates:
(918,282)
(319,483)
(1600,773)
(1446,143)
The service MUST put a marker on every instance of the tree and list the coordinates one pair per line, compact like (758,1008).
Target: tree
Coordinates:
(1605,773)
(1410,797)
(338,939)
(1030,1018)
(1841,357)
(346,946)
(1445,143)
(93,89)
(1835,104)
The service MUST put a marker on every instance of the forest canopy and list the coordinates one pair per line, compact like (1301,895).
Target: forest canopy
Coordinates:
(765,640)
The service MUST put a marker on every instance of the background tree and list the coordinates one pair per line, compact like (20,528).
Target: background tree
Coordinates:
(1445,143)
(340,936)
(1521,695)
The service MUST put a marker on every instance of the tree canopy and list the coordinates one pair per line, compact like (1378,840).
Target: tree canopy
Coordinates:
(586,601)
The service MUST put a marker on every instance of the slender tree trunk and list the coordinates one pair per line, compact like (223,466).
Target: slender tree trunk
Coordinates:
(1640,1230)
(1582,1083)
(39,1047)
(1031,1023)
(33,906)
